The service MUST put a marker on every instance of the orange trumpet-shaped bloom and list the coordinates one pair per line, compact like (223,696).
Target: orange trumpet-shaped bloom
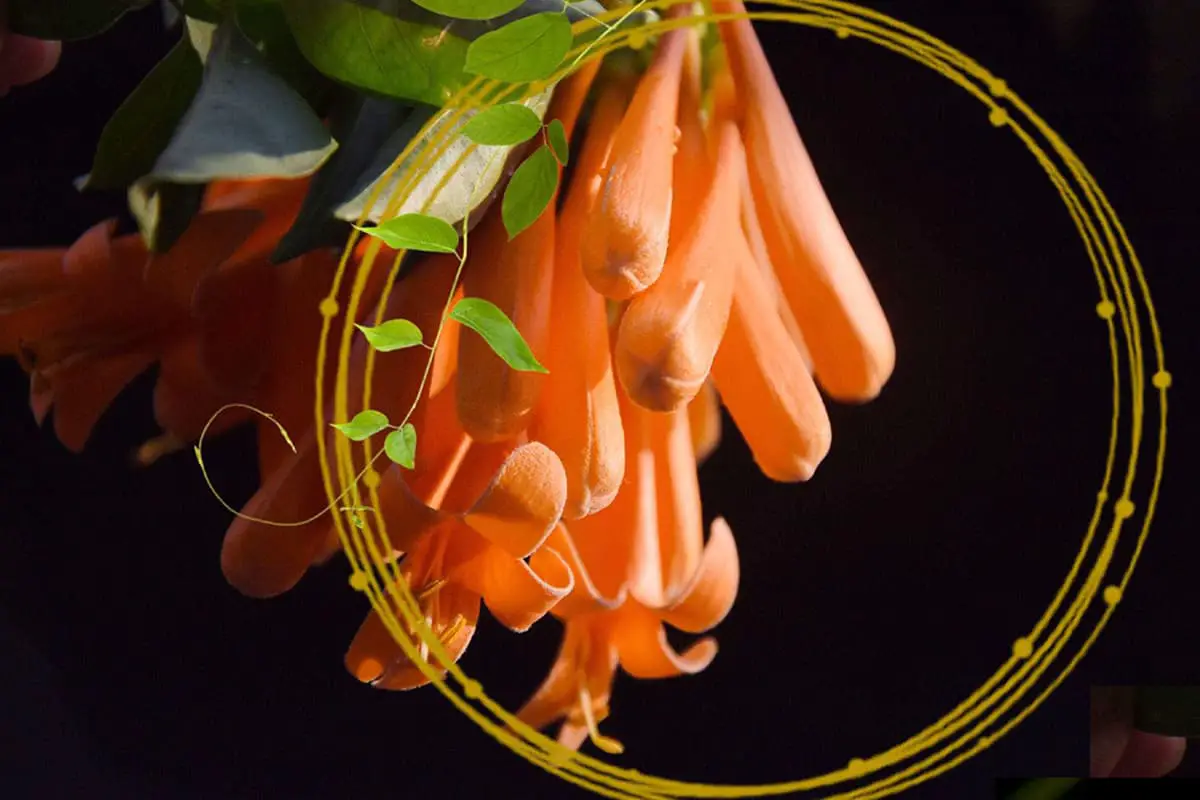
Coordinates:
(453,561)
(670,332)
(603,633)
(624,244)
(578,416)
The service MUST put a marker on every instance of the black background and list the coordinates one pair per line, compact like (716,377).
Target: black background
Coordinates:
(885,590)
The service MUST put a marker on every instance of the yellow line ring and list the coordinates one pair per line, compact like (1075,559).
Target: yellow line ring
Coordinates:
(1103,237)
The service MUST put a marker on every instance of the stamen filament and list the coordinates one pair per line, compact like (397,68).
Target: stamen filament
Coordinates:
(605,743)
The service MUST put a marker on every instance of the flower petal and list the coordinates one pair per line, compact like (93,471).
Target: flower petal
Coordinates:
(262,560)
(645,652)
(207,243)
(375,657)
(584,597)
(519,594)
(710,595)
(524,501)
(82,392)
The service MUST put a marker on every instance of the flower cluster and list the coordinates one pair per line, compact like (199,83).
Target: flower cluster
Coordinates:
(693,262)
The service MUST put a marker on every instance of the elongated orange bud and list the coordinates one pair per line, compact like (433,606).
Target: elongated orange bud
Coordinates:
(625,243)
(764,383)
(690,174)
(852,348)
(670,333)
(578,417)
(495,401)
(680,524)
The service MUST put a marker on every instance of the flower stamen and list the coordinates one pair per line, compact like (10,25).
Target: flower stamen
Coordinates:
(605,743)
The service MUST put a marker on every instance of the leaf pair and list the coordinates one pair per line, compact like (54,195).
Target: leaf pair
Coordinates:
(400,445)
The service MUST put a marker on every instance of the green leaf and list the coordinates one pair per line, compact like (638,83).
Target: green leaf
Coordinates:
(529,191)
(364,425)
(245,122)
(401,446)
(469,189)
(163,211)
(397,48)
(416,232)
(498,331)
(264,24)
(526,50)
(143,125)
(505,124)
(66,20)
(395,334)
(558,141)
(470,9)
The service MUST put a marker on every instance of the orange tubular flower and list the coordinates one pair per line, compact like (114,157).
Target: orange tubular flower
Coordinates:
(453,560)
(851,343)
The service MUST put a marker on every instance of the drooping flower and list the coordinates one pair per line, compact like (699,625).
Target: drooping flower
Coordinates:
(694,262)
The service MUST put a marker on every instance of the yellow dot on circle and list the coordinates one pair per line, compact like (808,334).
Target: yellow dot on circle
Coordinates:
(985,741)
(472,689)
(1106,309)
(1112,595)
(1022,648)
(371,479)
(856,765)
(637,40)
(359,581)
(1102,496)
(1124,508)
(328,307)
(998,88)
(998,117)
(843,33)
(1161,379)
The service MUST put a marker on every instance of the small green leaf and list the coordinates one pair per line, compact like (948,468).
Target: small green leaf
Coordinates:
(529,191)
(526,50)
(364,425)
(401,446)
(416,232)
(395,334)
(558,141)
(498,331)
(470,9)
(505,124)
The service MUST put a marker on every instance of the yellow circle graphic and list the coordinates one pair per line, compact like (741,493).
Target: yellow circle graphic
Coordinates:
(1040,659)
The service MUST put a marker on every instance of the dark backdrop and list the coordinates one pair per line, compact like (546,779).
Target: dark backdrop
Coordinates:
(888,587)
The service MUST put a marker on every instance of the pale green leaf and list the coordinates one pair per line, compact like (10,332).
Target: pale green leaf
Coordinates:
(530,191)
(505,124)
(498,331)
(401,446)
(526,50)
(364,425)
(416,232)
(395,334)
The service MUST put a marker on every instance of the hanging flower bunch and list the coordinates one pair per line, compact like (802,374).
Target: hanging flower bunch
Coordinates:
(592,271)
